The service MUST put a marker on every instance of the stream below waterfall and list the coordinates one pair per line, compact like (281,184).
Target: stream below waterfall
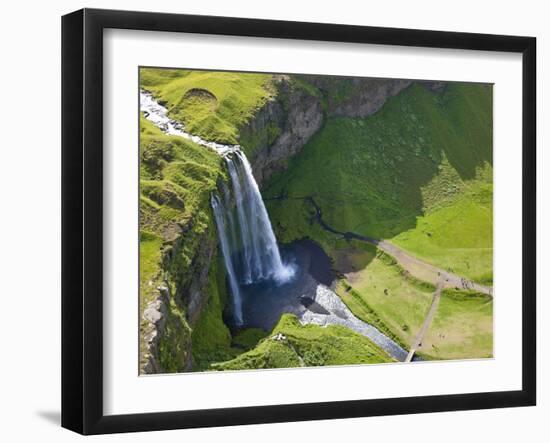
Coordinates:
(267,281)
(308,296)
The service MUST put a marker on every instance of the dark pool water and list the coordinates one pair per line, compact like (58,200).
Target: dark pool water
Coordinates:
(308,296)
(265,302)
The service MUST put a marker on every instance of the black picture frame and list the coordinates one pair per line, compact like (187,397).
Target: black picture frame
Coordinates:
(82,220)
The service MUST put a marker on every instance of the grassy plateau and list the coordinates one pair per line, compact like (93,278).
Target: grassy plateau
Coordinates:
(212,105)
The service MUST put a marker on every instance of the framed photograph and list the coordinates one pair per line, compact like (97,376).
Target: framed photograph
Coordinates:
(270,221)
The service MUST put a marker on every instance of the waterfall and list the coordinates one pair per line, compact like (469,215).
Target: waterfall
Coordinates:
(260,258)
(248,243)
(219,213)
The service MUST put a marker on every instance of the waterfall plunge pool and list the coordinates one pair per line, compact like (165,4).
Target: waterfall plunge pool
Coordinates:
(307,295)
(264,302)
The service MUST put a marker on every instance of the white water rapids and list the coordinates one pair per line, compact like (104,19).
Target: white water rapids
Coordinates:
(261,257)
(158,115)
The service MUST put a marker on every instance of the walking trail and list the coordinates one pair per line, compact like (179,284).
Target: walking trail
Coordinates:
(416,267)
(427,322)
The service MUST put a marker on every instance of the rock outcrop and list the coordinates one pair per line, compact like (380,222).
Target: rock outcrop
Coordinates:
(155,320)
(284,124)
(191,290)
(356,97)
(168,320)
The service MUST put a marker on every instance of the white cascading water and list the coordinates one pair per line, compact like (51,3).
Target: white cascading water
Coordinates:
(260,258)
(220,212)
(247,240)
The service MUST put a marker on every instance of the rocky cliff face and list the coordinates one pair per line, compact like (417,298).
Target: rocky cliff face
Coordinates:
(154,317)
(356,97)
(192,289)
(286,123)
(170,317)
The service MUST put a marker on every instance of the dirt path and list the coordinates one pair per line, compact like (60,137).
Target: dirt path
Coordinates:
(415,266)
(427,322)
(430,273)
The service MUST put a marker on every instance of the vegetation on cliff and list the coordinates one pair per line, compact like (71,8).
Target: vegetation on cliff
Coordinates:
(212,105)
(177,237)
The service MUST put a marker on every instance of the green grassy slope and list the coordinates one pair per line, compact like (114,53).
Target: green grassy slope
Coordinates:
(308,345)
(422,165)
(384,295)
(458,236)
(381,294)
(210,104)
(177,178)
(462,327)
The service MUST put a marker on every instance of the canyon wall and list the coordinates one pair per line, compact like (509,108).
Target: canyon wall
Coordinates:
(280,129)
